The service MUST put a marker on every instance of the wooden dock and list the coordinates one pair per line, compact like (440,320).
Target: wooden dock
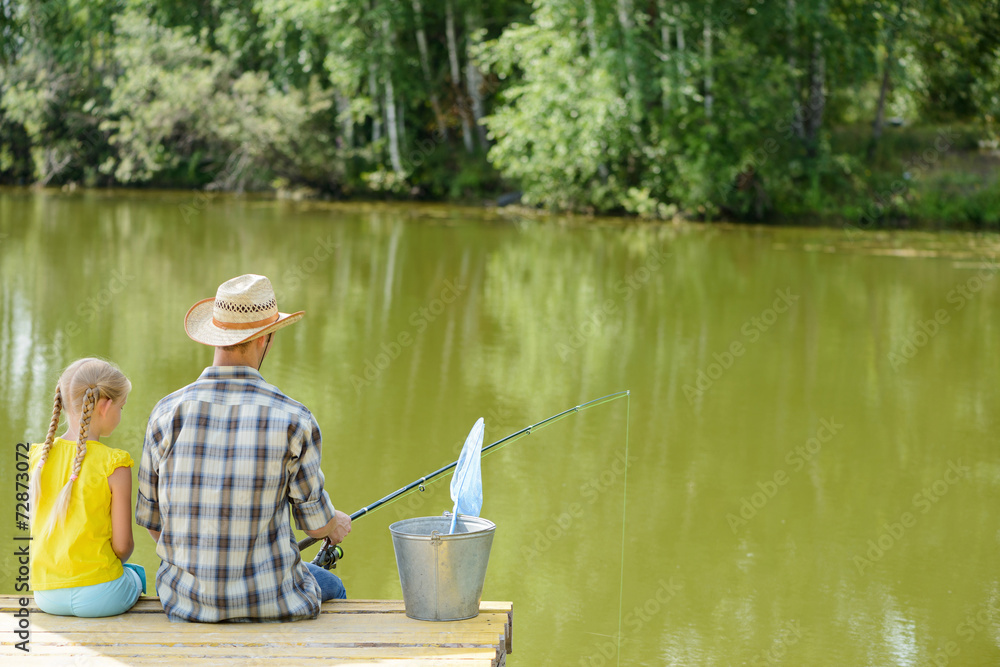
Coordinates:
(347,632)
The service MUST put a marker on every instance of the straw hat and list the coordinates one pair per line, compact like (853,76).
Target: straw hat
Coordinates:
(244,308)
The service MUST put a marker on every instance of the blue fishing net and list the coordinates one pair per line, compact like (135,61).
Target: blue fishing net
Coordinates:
(467,484)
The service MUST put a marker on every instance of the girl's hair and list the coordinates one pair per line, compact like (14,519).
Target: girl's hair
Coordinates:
(81,385)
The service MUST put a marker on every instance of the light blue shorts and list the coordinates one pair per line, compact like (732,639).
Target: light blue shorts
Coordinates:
(108,599)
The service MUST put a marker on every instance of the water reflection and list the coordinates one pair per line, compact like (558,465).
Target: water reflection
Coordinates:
(422,319)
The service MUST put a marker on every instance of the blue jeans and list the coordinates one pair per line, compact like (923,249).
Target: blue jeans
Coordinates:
(330,585)
(107,599)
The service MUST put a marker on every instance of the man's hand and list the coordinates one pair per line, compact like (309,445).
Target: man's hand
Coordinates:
(338,528)
(335,531)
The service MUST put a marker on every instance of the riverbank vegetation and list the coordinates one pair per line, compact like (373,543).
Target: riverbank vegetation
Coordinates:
(870,113)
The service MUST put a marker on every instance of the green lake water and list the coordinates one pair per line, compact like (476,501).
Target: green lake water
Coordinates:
(805,473)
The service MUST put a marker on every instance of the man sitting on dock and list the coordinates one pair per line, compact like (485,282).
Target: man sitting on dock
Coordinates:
(223,459)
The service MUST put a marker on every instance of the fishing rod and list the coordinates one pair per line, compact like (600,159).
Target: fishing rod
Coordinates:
(329,555)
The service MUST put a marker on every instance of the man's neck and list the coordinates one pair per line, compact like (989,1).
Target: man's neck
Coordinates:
(224,358)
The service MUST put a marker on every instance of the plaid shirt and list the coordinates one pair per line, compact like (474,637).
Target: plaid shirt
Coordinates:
(222,460)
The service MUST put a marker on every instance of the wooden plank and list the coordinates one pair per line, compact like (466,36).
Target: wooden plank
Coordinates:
(98,660)
(148,603)
(348,631)
(360,630)
(455,658)
(214,638)
(332,623)
(304,652)
(240,657)
(509,633)
(97,657)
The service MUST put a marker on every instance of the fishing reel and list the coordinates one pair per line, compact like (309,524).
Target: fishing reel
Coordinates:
(328,556)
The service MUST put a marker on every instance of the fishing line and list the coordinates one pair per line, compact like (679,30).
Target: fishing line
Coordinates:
(621,576)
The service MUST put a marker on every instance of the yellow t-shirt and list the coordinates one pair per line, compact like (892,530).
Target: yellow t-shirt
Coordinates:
(79,553)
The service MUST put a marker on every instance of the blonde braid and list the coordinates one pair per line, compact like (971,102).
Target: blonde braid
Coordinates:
(34,487)
(89,403)
(61,505)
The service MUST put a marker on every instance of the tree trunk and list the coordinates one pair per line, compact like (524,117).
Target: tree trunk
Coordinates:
(817,95)
(391,127)
(442,127)
(665,87)
(592,48)
(681,55)
(474,80)
(373,94)
(797,126)
(456,76)
(628,28)
(401,119)
(708,59)
(346,122)
(883,93)
(879,122)
(390,101)
(591,30)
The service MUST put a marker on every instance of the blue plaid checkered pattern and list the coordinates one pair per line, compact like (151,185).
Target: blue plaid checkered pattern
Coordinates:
(223,460)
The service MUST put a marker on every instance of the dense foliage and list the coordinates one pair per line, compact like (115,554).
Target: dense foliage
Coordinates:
(876,111)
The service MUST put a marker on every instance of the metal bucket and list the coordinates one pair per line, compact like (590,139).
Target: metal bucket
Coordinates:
(442,575)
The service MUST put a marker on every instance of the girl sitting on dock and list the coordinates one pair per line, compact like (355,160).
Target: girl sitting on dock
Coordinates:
(80,498)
